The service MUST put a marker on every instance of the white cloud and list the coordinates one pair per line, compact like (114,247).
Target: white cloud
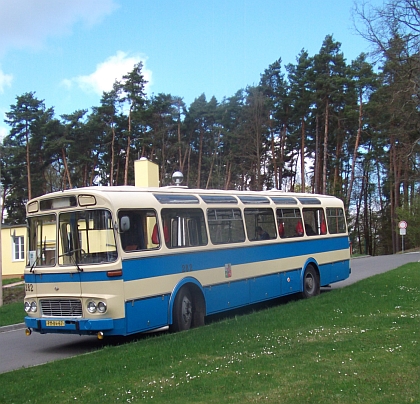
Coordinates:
(5,80)
(28,23)
(103,78)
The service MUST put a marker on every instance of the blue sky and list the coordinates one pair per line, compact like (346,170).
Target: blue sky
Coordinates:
(69,52)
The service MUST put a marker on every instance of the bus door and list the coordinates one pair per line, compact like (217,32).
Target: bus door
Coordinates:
(85,237)
(70,253)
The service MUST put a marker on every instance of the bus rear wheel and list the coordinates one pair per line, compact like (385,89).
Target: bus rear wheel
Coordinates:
(183,311)
(310,282)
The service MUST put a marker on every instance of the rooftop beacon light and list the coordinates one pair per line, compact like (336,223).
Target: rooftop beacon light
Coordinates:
(177,178)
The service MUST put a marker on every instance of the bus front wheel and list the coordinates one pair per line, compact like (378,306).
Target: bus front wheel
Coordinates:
(310,282)
(183,310)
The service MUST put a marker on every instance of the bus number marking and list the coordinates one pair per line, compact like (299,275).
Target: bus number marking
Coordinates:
(29,287)
(187,267)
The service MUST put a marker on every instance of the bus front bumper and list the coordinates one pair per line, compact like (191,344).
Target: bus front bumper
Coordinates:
(69,326)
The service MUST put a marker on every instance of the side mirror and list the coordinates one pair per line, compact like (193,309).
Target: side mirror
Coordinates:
(124,224)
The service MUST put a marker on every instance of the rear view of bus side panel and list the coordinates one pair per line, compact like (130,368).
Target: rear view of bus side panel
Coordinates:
(334,272)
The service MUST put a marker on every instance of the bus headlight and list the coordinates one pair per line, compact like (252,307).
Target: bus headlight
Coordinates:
(101,307)
(96,307)
(30,307)
(91,307)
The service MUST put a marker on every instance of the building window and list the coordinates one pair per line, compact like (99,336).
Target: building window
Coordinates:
(18,248)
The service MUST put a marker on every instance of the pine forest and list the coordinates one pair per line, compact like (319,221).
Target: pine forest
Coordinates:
(321,125)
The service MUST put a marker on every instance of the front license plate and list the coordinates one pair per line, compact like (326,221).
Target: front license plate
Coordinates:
(54,323)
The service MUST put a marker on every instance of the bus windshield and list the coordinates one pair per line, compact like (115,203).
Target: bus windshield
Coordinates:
(86,237)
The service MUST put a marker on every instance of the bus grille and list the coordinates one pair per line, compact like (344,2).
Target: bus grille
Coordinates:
(61,308)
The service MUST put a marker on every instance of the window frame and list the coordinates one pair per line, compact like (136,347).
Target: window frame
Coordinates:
(254,218)
(292,222)
(18,248)
(184,227)
(334,221)
(216,225)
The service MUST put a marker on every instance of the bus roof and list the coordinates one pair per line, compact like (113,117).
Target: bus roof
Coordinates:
(118,196)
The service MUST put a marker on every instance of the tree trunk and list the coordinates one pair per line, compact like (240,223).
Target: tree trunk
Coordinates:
(180,161)
(302,156)
(357,218)
(324,167)
(228,174)
(317,165)
(28,163)
(273,153)
(111,171)
(66,169)
(213,158)
(282,141)
(337,179)
(127,154)
(356,148)
(200,156)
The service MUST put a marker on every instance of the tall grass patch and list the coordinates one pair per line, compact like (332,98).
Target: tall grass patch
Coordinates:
(359,344)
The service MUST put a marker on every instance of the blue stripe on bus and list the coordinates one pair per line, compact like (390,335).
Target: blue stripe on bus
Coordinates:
(168,264)
(54,277)
(171,264)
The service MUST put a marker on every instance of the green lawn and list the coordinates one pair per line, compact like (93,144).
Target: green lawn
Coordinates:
(12,311)
(360,344)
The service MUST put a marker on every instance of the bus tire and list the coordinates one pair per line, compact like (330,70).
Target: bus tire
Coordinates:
(183,311)
(311,285)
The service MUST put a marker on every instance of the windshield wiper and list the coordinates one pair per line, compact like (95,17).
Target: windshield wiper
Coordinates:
(33,265)
(72,255)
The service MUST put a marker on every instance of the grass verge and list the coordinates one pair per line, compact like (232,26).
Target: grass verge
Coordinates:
(11,280)
(359,344)
(12,311)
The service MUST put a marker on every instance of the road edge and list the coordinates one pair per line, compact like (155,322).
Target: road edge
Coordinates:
(12,327)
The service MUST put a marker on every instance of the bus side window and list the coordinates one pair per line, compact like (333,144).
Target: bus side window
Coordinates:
(289,223)
(314,220)
(225,226)
(155,234)
(336,220)
(137,236)
(184,227)
(260,224)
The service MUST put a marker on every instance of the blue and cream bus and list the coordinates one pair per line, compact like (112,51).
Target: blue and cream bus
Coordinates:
(122,260)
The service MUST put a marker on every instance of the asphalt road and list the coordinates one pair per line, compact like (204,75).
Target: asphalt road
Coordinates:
(19,351)
(362,268)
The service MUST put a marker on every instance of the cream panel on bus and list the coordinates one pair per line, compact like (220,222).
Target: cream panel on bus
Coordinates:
(59,289)
(112,291)
(109,291)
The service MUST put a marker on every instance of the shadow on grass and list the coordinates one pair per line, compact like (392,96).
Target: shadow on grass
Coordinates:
(214,318)
(87,344)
